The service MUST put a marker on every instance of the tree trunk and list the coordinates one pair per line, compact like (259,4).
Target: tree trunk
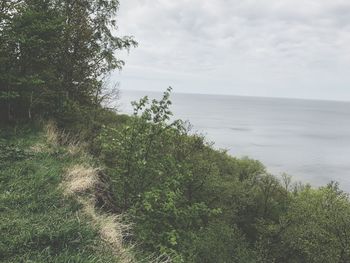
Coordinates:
(9,117)
(9,111)
(30,106)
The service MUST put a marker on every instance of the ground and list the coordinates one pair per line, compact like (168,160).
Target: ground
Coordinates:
(38,223)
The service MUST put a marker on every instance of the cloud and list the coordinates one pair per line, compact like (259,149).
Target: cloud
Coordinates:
(248,47)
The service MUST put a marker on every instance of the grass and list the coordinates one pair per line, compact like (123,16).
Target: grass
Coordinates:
(38,223)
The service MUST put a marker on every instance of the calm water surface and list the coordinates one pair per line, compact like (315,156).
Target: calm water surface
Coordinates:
(309,140)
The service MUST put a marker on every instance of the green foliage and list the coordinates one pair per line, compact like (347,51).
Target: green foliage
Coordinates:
(156,179)
(37,224)
(185,199)
(10,95)
(317,225)
(54,56)
(11,153)
(202,205)
(173,184)
(221,243)
(152,176)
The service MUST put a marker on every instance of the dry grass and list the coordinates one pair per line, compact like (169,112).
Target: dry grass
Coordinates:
(83,179)
(51,139)
(38,148)
(75,148)
(111,230)
(52,134)
(80,179)
(54,138)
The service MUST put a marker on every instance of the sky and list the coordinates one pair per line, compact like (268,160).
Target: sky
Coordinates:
(270,48)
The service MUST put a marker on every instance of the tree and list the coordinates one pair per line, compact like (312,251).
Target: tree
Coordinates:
(55,56)
(315,228)
(160,176)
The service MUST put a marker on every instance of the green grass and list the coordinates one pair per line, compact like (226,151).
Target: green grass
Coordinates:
(38,224)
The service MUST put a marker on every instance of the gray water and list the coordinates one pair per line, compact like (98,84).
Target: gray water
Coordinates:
(309,140)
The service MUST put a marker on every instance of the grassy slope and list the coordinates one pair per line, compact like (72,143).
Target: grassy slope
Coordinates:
(37,224)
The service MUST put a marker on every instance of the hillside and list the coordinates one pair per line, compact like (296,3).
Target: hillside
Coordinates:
(62,201)
(44,217)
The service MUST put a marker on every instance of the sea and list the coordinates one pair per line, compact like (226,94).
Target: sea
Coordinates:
(306,139)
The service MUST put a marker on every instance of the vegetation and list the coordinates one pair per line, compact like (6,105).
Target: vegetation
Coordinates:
(54,56)
(186,202)
(37,223)
(202,205)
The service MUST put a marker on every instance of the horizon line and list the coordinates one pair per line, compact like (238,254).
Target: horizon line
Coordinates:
(237,95)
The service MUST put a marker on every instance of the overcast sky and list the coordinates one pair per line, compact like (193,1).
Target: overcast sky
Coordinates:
(274,48)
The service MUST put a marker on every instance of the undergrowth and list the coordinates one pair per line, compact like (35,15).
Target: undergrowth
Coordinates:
(37,222)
